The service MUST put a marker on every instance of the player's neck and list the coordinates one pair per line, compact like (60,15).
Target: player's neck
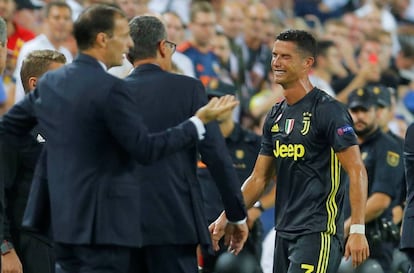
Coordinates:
(295,92)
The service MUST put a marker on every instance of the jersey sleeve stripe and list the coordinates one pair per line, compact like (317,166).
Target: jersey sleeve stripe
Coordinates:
(331,206)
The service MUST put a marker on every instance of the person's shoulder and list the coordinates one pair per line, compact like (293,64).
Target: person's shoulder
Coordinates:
(322,96)
(391,142)
(410,131)
(185,46)
(389,149)
(409,143)
(39,40)
(276,111)
(30,45)
(23,33)
(325,101)
(182,78)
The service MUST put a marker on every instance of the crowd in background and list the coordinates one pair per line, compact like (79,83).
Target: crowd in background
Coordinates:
(230,42)
(227,44)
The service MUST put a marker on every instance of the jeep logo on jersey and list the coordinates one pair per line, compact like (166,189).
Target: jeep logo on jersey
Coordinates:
(294,151)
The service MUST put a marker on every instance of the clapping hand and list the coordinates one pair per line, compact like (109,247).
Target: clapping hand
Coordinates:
(216,107)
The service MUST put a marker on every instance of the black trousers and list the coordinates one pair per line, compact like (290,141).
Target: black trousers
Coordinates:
(117,259)
(35,252)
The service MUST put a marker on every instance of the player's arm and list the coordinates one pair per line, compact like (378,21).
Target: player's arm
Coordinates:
(265,202)
(352,163)
(357,245)
(252,189)
(377,203)
(255,184)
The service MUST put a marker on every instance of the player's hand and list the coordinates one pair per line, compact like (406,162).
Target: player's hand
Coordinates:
(216,107)
(235,237)
(357,247)
(10,263)
(217,230)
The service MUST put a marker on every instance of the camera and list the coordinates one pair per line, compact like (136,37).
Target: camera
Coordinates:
(382,230)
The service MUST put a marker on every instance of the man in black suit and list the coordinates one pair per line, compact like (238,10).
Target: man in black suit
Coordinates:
(94,137)
(23,249)
(173,220)
(407,238)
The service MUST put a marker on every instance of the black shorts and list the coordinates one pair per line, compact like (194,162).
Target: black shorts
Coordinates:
(311,253)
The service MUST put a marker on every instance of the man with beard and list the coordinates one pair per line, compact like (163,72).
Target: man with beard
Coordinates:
(381,155)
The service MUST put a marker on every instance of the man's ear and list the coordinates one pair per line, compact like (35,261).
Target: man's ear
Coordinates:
(101,39)
(162,49)
(309,62)
(32,83)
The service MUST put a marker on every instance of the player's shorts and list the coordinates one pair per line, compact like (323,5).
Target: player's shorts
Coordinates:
(311,253)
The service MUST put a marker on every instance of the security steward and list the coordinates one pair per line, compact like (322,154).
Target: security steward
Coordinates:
(382,157)
(386,101)
(243,146)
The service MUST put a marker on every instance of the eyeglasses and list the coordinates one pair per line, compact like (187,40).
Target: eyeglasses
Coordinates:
(172,45)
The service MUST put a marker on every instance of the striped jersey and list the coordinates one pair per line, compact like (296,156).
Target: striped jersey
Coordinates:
(304,138)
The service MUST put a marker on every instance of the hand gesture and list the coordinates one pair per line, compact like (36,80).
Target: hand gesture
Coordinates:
(216,107)
(357,247)
(217,230)
(235,235)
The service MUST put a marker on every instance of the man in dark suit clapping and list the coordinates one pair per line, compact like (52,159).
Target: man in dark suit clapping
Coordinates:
(173,221)
(94,137)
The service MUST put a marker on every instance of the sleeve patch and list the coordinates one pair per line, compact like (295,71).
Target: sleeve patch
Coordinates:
(393,159)
(347,129)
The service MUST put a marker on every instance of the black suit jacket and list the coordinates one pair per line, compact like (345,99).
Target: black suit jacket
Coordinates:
(93,134)
(171,201)
(17,164)
(407,238)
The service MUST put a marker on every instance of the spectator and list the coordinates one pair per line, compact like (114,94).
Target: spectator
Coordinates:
(327,66)
(175,32)
(198,48)
(58,26)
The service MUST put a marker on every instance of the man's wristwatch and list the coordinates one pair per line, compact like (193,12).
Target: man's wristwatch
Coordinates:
(6,247)
(259,206)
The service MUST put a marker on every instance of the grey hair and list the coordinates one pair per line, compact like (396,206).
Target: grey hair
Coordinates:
(146,32)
